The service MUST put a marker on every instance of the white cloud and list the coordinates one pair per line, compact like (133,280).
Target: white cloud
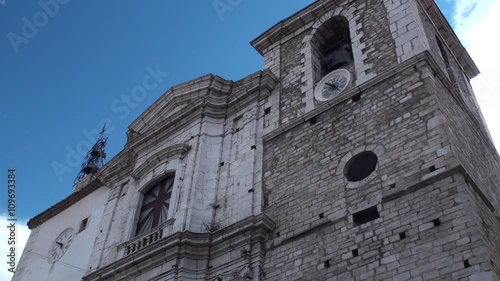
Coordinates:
(476,23)
(22,234)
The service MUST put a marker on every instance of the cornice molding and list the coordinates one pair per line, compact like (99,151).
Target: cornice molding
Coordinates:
(190,244)
(291,25)
(184,93)
(217,102)
(449,36)
(117,168)
(137,141)
(298,22)
(152,161)
(65,203)
(380,78)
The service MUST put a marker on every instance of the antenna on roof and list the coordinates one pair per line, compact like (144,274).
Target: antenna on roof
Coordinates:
(94,159)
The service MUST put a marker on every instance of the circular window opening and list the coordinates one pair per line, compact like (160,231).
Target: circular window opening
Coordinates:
(361,166)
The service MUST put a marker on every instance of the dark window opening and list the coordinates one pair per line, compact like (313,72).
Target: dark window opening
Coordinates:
(392,185)
(355,253)
(356,98)
(366,215)
(83,225)
(253,147)
(446,60)
(402,235)
(267,111)
(222,163)
(327,264)
(336,47)
(313,121)
(432,168)
(443,52)
(277,234)
(466,264)
(322,215)
(361,166)
(436,222)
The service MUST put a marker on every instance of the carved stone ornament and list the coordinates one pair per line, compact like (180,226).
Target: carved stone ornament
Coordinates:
(242,274)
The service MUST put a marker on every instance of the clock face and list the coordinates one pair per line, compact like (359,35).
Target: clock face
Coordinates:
(332,85)
(61,244)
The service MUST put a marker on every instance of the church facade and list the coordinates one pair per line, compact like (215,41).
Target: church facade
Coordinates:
(358,153)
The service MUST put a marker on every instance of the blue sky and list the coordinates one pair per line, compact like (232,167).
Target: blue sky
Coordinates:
(74,71)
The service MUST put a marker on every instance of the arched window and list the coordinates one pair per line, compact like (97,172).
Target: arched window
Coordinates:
(334,44)
(155,205)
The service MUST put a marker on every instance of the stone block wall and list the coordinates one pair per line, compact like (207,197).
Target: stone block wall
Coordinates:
(291,105)
(406,28)
(397,115)
(416,182)
(383,34)
(406,243)
(378,19)
(475,151)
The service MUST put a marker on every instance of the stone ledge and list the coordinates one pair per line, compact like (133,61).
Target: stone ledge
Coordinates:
(64,204)
(423,181)
(449,36)
(189,244)
(300,19)
(215,101)
(146,239)
(380,78)
(410,188)
(175,150)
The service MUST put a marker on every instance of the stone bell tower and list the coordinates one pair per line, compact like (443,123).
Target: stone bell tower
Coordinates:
(380,166)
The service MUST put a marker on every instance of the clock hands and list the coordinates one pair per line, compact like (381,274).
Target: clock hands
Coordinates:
(61,244)
(332,85)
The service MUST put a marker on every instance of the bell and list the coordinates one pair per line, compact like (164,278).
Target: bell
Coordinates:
(96,151)
(340,56)
(90,168)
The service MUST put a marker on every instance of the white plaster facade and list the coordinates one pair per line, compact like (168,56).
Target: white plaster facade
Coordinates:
(35,263)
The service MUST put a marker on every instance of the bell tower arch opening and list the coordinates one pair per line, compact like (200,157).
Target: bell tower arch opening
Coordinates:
(331,46)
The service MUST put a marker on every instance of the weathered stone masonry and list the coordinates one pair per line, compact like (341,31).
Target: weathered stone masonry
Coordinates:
(263,184)
(424,176)
(313,204)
